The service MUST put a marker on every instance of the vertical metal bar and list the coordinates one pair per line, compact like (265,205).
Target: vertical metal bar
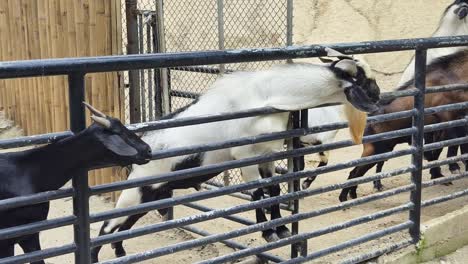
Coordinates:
(164,74)
(417,142)
(132,48)
(162,95)
(289,28)
(76,90)
(150,72)
(289,24)
(299,120)
(221,30)
(142,76)
(158,81)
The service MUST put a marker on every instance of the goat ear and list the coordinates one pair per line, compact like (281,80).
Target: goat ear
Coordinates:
(348,66)
(325,60)
(117,145)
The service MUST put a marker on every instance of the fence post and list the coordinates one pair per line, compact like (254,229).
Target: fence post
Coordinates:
(220,6)
(76,90)
(417,142)
(289,25)
(299,120)
(162,98)
(132,48)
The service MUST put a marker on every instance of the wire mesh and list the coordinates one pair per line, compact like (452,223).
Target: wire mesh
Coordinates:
(193,25)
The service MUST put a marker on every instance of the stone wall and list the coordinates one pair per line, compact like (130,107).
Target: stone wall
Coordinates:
(332,21)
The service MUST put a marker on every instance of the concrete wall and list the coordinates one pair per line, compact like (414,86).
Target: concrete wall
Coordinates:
(332,21)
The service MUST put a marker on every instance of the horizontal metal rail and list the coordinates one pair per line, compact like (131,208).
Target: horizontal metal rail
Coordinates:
(48,67)
(309,235)
(200,69)
(253,228)
(444,180)
(379,252)
(257,204)
(169,202)
(439,163)
(445,143)
(233,218)
(184,94)
(39,255)
(35,227)
(219,167)
(33,140)
(351,243)
(446,88)
(242,195)
(234,244)
(445,125)
(444,198)
(35,198)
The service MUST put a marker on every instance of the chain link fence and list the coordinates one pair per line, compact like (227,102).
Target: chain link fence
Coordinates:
(195,25)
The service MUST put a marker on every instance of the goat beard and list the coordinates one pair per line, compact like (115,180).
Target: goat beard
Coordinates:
(356,122)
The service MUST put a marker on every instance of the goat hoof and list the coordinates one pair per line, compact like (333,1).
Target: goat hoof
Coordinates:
(283,232)
(343,198)
(448,183)
(271,236)
(305,185)
(379,187)
(120,252)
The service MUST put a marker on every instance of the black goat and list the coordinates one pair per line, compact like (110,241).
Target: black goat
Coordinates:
(105,142)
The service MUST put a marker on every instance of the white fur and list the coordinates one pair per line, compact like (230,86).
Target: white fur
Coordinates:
(322,116)
(286,87)
(450,25)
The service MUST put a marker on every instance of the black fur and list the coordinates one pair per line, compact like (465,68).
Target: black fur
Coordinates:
(49,168)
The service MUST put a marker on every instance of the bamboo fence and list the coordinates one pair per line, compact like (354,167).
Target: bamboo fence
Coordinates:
(40,29)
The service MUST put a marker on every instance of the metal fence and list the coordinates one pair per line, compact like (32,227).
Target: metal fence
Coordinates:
(76,69)
(194,25)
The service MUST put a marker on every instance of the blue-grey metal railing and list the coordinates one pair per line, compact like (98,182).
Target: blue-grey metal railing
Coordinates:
(77,68)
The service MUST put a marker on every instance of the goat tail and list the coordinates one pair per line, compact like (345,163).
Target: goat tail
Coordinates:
(357,122)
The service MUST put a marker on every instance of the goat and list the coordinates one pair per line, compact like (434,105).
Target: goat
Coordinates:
(452,23)
(442,71)
(317,117)
(287,87)
(105,142)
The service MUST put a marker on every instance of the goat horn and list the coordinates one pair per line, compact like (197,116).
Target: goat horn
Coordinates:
(102,121)
(94,110)
(334,53)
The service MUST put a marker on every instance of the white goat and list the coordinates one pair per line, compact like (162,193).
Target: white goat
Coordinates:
(287,87)
(452,23)
(318,117)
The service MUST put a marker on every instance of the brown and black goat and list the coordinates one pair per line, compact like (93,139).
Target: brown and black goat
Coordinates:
(442,71)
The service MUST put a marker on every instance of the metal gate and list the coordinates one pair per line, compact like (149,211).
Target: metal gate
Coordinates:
(188,25)
(76,69)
